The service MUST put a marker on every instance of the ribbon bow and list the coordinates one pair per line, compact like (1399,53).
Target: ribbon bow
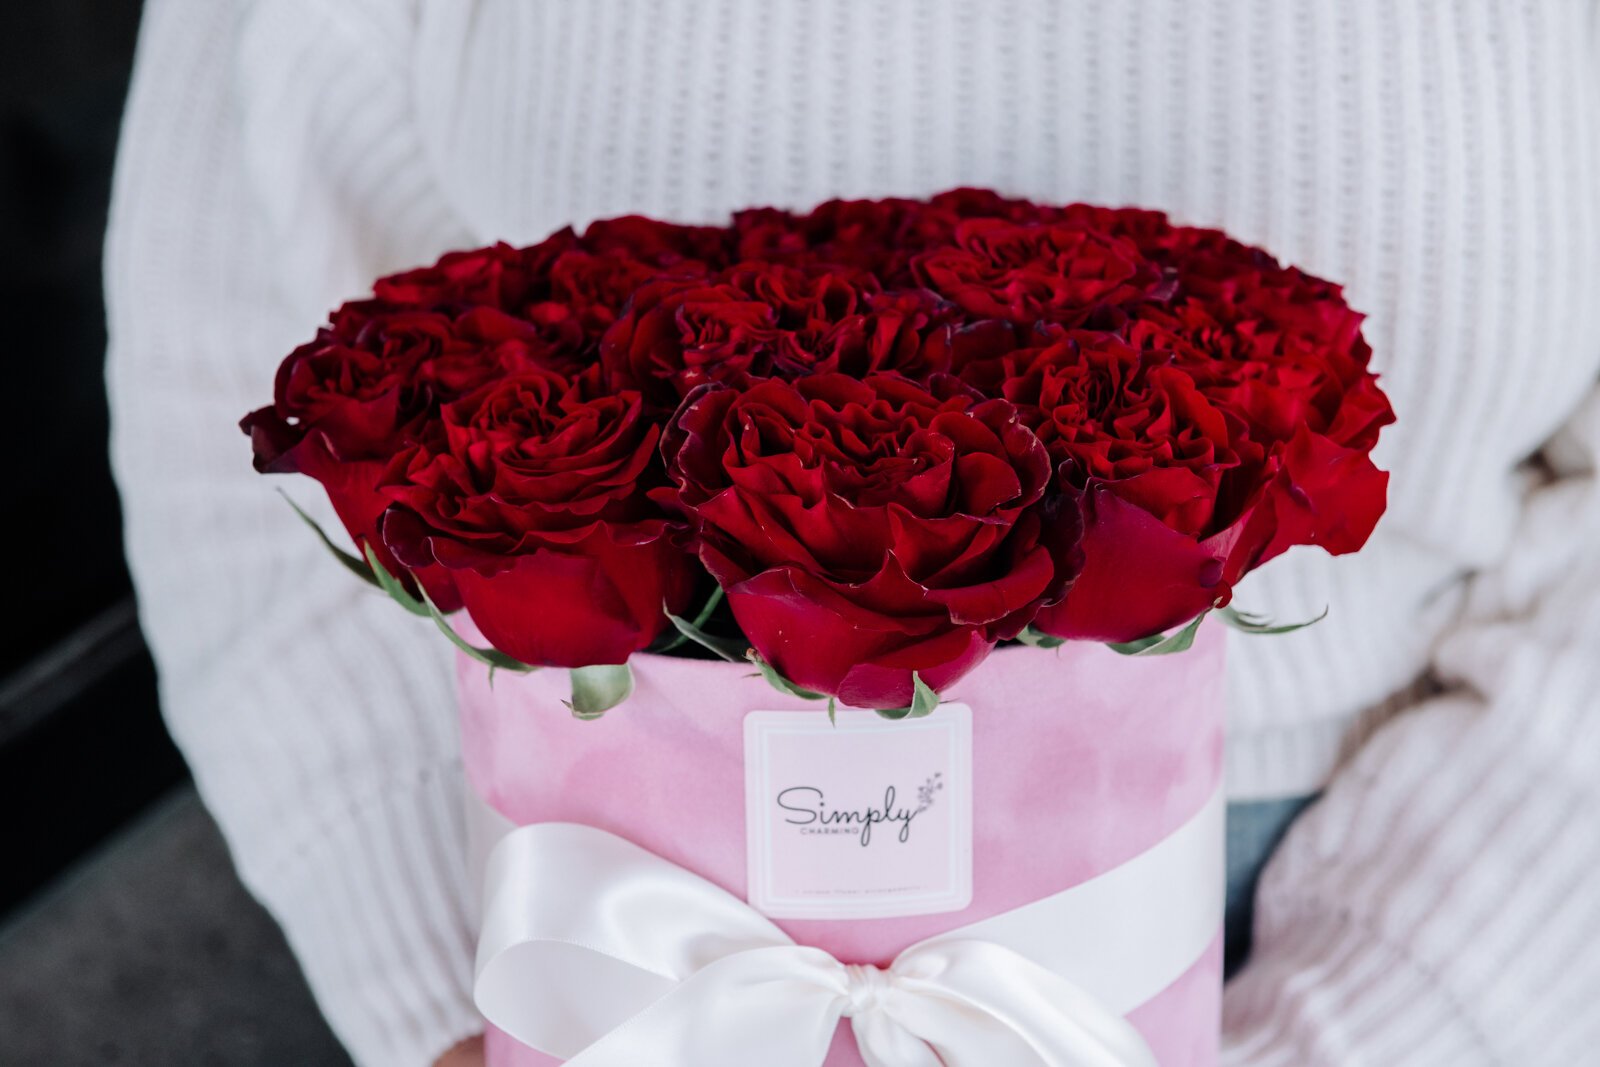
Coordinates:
(601,953)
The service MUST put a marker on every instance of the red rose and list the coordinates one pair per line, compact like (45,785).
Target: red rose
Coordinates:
(1027,273)
(561,293)
(498,276)
(762,320)
(1186,486)
(484,344)
(1192,467)
(1283,351)
(531,494)
(344,404)
(349,400)
(676,334)
(868,235)
(514,280)
(868,529)
(1293,368)
(1151,463)
(663,245)
(879,236)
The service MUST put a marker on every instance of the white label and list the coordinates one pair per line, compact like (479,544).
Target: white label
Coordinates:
(862,819)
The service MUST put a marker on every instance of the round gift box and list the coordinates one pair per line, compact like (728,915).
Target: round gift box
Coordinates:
(1082,759)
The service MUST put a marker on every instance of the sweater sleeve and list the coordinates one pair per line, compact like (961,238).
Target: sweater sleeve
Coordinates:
(267,170)
(1437,905)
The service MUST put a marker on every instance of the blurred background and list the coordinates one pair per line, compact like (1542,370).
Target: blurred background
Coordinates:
(124,936)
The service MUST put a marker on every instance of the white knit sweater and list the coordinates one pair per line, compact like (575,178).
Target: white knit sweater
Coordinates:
(1441,157)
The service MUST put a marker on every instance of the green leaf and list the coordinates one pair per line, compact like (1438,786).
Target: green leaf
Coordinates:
(598,689)
(491,657)
(1242,616)
(392,585)
(1033,637)
(728,648)
(1161,644)
(352,564)
(923,701)
(778,681)
(1247,623)
(681,637)
(1136,646)
(833,707)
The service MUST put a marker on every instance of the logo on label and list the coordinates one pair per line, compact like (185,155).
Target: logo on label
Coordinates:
(858,818)
(809,810)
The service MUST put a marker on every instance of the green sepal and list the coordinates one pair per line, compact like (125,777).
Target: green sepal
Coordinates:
(490,657)
(392,585)
(728,648)
(598,689)
(778,681)
(351,563)
(833,707)
(1161,644)
(682,637)
(923,701)
(1247,623)
(1030,636)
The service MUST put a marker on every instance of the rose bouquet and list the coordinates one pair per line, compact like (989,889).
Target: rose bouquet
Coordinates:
(730,478)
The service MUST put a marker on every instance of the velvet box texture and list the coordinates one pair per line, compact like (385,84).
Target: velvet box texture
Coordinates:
(1082,759)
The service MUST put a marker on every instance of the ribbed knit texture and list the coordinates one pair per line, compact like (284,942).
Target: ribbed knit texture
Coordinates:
(1439,157)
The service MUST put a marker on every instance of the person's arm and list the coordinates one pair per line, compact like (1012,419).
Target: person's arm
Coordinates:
(1439,904)
(268,170)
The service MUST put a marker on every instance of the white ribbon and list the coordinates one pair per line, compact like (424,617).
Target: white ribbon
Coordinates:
(598,952)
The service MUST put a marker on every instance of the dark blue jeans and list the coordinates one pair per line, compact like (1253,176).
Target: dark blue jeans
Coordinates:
(1254,830)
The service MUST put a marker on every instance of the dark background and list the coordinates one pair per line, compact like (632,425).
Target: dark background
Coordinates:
(78,717)
(124,936)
